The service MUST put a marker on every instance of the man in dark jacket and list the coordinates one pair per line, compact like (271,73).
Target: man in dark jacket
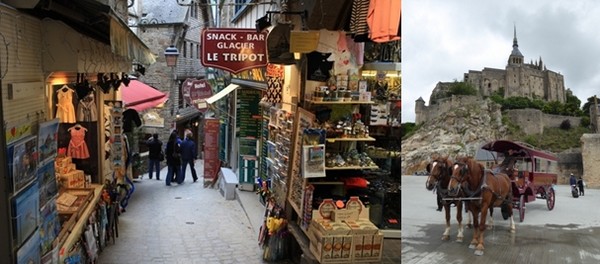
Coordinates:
(154,156)
(189,153)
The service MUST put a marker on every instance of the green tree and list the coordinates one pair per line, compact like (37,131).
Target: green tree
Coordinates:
(497,99)
(554,107)
(462,88)
(537,104)
(516,102)
(586,107)
(571,105)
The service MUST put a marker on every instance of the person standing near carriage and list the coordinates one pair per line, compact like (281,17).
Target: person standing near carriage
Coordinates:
(573,184)
(580,184)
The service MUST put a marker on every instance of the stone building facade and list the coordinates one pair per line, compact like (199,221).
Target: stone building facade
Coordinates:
(532,80)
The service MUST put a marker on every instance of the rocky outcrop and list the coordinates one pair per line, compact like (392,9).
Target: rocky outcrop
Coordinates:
(460,131)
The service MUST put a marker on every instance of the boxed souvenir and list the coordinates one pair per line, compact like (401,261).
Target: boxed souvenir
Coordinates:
(327,227)
(371,249)
(74,179)
(362,227)
(330,248)
(72,201)
(63,161)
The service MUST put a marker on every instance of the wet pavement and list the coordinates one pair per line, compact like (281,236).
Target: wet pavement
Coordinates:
(568,234)
(191,224)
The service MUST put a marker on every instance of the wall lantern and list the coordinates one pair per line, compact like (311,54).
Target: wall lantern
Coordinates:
(171,54)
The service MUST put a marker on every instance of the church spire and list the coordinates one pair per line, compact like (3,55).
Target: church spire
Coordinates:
(515,57)
(515,44)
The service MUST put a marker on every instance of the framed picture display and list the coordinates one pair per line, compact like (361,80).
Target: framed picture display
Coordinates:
(25,213)
(29,253)
(304,119)
(49,226)
(313,161)
(47,182)
(22,160)
(48,140)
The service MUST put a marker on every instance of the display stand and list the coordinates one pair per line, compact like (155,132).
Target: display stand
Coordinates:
(75,232)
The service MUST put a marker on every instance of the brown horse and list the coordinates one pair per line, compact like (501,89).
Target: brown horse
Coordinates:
(439,176)
(494,190)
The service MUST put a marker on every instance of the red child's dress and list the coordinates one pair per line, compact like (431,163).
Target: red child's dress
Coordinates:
(77,146)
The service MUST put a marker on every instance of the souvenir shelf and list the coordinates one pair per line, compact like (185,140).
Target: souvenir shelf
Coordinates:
(278,151)
(352,168)
(350,139)
(339,102)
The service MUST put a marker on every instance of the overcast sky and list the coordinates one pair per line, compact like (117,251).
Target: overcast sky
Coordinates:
(442,40)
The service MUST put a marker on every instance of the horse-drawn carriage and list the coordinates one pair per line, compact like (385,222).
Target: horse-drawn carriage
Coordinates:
(532,173)
(525,174)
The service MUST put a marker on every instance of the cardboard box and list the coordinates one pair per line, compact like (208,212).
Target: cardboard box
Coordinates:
(63,161)
(357,241)
(338,242)
(74,179)
(347,247)
(330,248)
(371,250)
(327,227)
(367,245)
(362,227)
(341,215)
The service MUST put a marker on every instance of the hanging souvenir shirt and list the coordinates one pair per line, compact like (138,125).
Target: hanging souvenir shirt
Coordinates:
(358,20)
(384,19)
(86,109)
(77,147)
(65,110)
(318,66)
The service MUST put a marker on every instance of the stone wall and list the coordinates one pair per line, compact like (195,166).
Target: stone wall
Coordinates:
(533,121)
(569,162)
(590,151)
(444,105)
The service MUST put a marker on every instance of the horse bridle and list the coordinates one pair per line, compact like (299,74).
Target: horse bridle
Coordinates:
(439,177)
(462,173)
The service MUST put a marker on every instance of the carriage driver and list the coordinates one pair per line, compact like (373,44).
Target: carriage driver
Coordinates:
(509,158)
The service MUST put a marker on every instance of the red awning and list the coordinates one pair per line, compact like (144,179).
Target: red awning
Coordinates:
(140,96)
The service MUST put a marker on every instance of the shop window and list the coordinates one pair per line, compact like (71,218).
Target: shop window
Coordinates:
(185,49)
(240,5)
(191,50)
(194,11)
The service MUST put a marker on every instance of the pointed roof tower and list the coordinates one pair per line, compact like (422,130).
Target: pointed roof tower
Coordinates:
(515,56)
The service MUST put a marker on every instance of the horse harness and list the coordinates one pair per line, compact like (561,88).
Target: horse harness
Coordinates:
(476,194)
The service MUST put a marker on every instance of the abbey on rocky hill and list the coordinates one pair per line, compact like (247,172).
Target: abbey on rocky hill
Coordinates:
(532,80)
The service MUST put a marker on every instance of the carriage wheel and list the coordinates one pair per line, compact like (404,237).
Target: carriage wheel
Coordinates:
(550,198)
(522,208)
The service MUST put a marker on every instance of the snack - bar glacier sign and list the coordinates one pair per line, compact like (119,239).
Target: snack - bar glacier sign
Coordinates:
(233,49)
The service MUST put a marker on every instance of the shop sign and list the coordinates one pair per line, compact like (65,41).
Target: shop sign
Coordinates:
(195,93)
(304,41)
(153,119)
(233,49)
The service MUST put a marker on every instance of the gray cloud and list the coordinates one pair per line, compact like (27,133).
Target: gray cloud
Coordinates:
(444,39)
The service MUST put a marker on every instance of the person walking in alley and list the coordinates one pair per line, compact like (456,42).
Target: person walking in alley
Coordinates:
(189,154)
(155,155)
(173,156)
